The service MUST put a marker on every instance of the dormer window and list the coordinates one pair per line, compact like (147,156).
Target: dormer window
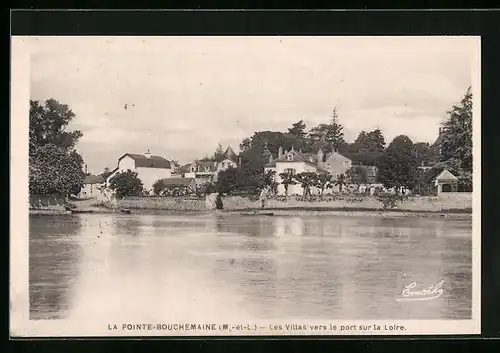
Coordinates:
(289,157)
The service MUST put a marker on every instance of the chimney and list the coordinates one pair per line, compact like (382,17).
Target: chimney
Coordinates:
(85,169)
(106,170)
(147,154)
(280,152)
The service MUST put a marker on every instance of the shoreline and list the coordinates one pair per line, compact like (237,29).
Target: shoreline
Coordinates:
(283,211)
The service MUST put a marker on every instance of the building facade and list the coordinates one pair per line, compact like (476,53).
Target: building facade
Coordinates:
(204,171)
(91,186)
(149,168)
(295,162)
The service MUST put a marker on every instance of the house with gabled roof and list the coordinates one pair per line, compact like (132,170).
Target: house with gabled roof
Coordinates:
(149,168)
(446,182)
(229,160)
(207,170)
(91,186)
(295,162)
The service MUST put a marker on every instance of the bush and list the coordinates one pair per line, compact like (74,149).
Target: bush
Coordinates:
(390,201)
(126,184)
(158,186)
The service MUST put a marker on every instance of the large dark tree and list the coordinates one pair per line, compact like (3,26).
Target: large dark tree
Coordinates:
(297,135)
(397,166)
(367,148)
(49,125)
(357,175)
(374,141)
(423,154)
(456,145)
(328,137)
(55,166)
(298,129)
(231,181)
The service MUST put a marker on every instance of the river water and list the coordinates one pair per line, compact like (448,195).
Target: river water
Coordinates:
(202,267)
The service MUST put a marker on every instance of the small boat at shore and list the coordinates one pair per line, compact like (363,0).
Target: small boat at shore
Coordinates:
(258,213)
(125,210)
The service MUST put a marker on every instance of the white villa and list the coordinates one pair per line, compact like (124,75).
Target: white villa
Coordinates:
(296,162)
(149,168)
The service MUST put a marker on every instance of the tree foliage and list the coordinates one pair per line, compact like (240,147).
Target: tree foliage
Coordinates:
(456,145)
(126,183)
(323,181)
(54,165)
(328,137)
(287,179)
(228,180)
(270,182)
(49,125)
(398,166)
(357,175)
(54,171)
(423,154)
(306,181)
(158,186)
(341,181)
(218,155)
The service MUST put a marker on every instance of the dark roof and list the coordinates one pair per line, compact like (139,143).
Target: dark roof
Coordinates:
(230,154)
(94,179)
(445,175)
(296,157)
(151,162)
(187,182)
(201,165)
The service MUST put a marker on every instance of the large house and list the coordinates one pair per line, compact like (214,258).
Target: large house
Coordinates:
(207,170)
(295,162)
(149,168)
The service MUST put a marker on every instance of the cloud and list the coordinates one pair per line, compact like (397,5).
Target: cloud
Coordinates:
(184,95)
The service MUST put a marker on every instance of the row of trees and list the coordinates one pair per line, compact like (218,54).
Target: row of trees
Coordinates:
(398,164)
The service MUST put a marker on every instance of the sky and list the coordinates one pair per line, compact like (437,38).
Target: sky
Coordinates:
(181,96)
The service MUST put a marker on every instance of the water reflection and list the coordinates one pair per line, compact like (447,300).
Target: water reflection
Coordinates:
(54,253)
(177,267)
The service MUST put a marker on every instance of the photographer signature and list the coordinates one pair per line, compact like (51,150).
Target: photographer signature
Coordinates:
(410,292)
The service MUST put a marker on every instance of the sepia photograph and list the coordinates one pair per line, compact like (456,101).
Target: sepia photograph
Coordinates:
(245,185)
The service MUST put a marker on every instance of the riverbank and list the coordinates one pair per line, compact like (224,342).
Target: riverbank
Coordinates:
(448,206)
(451,214)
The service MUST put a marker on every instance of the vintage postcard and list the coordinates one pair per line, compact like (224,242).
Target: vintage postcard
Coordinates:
(223,186)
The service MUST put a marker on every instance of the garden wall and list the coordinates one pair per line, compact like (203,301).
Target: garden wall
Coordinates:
(47,202)
(452,201)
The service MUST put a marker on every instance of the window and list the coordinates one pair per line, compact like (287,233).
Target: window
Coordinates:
(289,157)
(290,171)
